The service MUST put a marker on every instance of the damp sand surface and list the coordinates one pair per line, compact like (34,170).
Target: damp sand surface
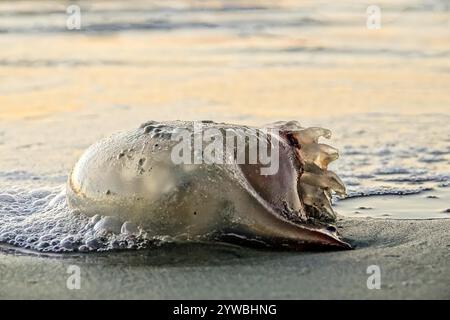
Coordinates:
(413,257)
(382,93)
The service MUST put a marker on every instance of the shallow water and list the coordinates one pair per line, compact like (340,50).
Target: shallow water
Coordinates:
(384,94)
(431,204)
(396,167)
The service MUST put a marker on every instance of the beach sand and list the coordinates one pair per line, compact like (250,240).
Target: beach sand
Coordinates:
(412,255)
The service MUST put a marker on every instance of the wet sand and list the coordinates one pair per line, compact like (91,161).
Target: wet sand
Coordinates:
(412,255)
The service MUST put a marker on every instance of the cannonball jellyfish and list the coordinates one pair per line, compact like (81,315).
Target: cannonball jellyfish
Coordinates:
(207,181)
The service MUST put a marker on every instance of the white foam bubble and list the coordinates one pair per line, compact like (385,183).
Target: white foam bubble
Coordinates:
(39,219)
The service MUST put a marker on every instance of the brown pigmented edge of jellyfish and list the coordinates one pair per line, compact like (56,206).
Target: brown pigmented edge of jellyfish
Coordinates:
(316,182)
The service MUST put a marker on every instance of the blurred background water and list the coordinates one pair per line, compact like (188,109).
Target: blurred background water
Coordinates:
(236,60)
